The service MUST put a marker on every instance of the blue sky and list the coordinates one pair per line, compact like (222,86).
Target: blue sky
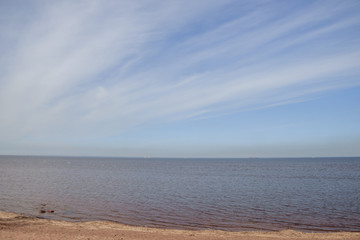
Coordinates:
(180,78)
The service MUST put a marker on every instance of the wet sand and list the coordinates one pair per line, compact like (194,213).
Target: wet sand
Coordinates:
(14,226)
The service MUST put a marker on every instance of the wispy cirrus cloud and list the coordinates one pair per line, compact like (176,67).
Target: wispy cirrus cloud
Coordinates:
(94,68)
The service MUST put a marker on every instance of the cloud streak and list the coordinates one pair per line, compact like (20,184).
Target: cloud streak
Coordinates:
(96,68)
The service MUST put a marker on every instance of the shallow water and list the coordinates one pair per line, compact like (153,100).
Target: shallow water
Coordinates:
(309,194)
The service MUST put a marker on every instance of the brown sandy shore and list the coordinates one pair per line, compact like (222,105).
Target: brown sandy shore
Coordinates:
(14,226)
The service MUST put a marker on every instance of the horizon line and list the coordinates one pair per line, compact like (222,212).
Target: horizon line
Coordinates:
(167,157)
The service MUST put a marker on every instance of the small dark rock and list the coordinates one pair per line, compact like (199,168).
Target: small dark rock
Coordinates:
(42,211)
(50,211)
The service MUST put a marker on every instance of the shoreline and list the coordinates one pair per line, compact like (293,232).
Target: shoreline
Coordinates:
(16,226)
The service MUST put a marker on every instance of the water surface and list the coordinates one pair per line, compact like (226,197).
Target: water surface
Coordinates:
(309,194)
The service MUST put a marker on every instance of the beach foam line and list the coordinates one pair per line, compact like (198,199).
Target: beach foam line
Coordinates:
(15,226)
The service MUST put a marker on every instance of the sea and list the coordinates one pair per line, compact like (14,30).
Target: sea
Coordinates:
(245,194)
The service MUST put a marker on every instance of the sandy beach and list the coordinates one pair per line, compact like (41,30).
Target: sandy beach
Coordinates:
(14,226)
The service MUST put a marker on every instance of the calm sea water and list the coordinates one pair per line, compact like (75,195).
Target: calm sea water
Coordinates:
(312,194)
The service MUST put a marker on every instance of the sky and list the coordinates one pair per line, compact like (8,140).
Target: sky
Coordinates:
(202,78)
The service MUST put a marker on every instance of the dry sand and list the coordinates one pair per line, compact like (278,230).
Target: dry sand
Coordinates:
(14,226)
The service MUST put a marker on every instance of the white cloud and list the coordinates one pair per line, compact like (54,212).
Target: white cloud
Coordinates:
(94,68)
